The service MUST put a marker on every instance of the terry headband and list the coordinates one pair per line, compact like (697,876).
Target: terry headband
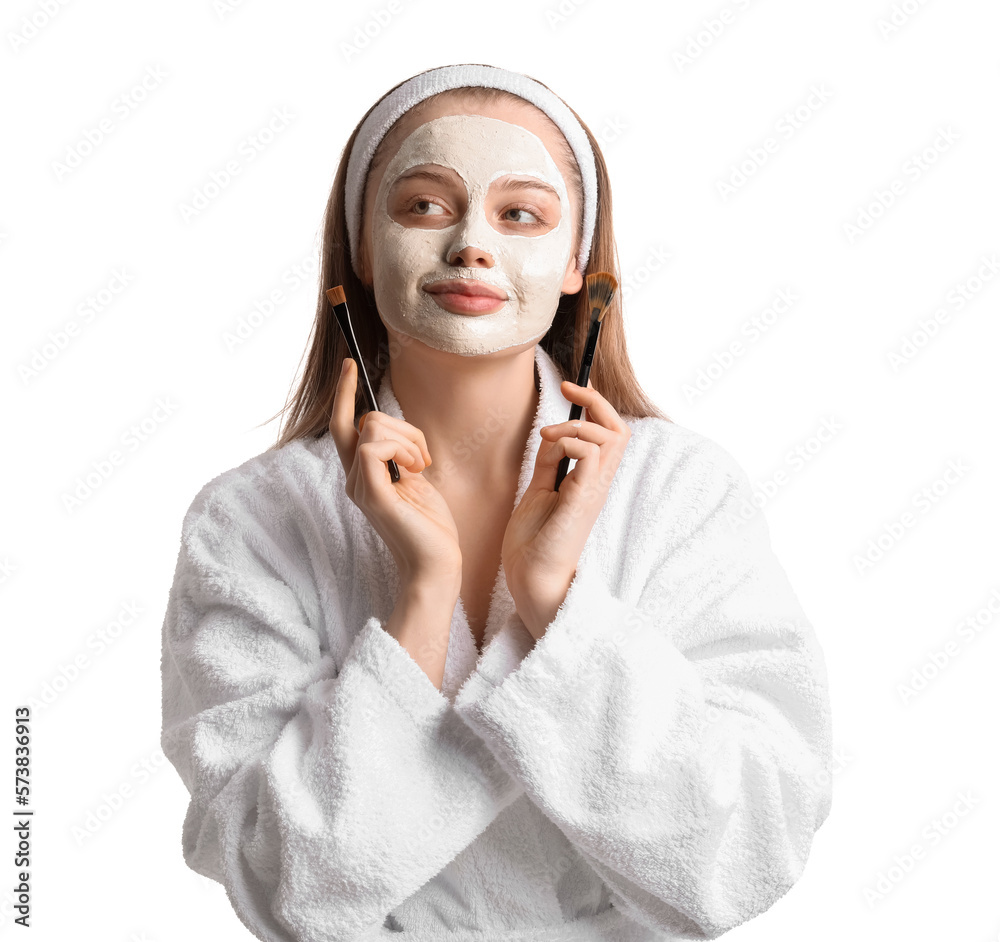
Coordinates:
(420,87)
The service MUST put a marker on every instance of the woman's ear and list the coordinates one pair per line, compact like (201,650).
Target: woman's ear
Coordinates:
(573,281)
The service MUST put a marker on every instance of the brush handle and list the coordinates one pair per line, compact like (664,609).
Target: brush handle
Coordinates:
(576,410)
(344,319)
(574,413)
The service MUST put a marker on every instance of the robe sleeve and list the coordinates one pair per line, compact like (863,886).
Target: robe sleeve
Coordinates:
(681,738)
(320,797)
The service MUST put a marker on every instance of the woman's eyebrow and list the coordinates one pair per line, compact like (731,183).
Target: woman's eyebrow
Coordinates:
(435,176)
(533,184)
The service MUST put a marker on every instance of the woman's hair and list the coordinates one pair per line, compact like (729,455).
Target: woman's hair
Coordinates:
(308,410)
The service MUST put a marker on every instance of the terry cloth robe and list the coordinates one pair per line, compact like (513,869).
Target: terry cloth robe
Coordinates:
(654,767)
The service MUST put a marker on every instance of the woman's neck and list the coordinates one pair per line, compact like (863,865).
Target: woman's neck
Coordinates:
(475,412)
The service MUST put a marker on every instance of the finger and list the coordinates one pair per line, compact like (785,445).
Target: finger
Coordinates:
(402,428)
(598,408)
(372,458)
(587,455)
(342,415)
(377,426)
(611,443)
(586,431)
(586,470)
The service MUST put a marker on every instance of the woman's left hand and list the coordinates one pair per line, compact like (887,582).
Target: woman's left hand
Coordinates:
(548,528)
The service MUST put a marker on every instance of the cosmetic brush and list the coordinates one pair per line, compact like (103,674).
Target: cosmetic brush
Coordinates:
(601,289)
(338,299)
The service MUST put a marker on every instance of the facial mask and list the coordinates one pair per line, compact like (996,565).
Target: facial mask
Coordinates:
(529,268)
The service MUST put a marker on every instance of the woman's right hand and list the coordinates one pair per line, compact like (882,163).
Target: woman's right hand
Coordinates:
(411,515)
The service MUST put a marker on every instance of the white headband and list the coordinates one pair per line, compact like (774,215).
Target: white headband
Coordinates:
(422,86)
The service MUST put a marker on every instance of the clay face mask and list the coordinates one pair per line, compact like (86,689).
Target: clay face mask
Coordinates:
(529,268)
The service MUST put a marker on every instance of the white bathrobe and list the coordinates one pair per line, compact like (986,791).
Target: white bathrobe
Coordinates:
(653,768)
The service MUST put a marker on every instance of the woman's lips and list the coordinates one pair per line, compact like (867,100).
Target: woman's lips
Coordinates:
(468,303)
(463,298)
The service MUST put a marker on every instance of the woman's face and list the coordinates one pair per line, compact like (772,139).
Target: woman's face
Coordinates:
(471,235)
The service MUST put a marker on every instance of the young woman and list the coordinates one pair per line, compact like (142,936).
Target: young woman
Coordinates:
(464,704)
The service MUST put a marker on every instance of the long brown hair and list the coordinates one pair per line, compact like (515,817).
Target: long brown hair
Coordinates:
(307,411)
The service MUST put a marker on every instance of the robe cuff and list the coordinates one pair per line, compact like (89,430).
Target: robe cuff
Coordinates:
(589,620)
(401,679)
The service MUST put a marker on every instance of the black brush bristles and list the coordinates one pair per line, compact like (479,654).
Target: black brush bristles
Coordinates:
(601,288)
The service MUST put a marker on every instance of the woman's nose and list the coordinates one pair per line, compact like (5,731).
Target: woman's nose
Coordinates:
(471,257)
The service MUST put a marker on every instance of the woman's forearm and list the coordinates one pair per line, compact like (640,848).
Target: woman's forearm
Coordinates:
(421,623)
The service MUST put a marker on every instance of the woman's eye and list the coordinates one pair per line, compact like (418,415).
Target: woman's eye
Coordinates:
(531,219)
(426,208)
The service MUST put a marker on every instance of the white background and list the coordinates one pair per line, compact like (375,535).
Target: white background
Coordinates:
(916,103)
